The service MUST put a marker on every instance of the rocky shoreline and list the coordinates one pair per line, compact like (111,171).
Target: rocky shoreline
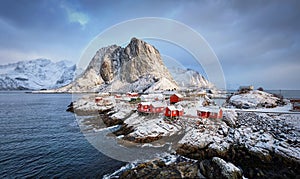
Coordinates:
(261,145)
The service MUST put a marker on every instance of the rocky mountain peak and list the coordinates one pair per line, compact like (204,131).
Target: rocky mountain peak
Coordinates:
(137,47)
(136,67)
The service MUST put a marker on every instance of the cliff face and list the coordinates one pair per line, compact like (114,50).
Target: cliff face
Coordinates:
(137,67)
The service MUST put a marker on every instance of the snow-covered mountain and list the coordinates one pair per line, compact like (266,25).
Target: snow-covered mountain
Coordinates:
(36,74)
(137,67)
(188,78)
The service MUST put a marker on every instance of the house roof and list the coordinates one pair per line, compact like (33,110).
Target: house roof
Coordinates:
(214,109)
(178,95)
(158,104)
(132,93)
(152,96)
(173,108)
(145,103)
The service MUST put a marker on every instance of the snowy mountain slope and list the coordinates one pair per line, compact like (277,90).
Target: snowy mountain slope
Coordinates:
(187,78)
(137,67)
(36,74)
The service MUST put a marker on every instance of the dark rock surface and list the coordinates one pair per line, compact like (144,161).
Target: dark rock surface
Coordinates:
(218,168)
(159,169)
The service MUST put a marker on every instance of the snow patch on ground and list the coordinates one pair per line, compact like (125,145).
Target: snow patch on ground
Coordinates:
(150,126)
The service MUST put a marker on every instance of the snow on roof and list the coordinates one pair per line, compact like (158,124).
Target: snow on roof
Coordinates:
(158,104)
(179,108)
(173,108)
(203,109)
(214,109)
(132,93)
(178,95)
(145,103)
(152,96)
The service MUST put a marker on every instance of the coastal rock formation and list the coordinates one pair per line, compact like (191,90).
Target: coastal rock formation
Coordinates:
(263,145)
(137,67)
(165,167)
(218,168)
(254,99)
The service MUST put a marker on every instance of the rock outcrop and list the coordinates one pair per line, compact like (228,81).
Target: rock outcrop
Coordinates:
(161,169)
(218,168)
(254,99)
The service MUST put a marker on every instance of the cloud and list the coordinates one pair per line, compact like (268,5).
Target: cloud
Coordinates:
(248,37)
(75,16)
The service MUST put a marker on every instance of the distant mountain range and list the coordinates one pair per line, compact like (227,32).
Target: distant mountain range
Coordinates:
(36,74)
(137,67)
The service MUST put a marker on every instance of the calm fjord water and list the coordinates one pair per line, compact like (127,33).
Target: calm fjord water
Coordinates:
(39,139)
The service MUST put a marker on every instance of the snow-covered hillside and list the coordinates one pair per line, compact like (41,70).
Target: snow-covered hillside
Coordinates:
(36,74)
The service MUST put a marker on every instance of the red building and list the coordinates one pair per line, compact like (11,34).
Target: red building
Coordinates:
(151,107)
(157,107)
(144,107)
(212,112)
(98,99)
(172,111)
(175,98)
(129,94)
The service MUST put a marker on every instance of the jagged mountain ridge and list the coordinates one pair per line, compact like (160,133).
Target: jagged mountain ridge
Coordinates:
(137,67)
(36,74)
(189,78)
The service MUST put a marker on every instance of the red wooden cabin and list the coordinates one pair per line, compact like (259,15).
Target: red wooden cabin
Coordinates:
(144,107)
(212,112)
(157,107)
(172,111)
(175,98)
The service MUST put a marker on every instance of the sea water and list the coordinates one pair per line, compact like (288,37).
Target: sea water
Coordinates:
(38,138)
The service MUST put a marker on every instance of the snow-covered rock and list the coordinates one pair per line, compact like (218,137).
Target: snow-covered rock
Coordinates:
(259,138)
(254,99)
(219,168)
(87,105)
(137,67)
(146,127)
(36,74)
(188,78)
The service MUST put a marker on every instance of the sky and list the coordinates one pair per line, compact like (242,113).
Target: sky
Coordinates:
(256,42)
